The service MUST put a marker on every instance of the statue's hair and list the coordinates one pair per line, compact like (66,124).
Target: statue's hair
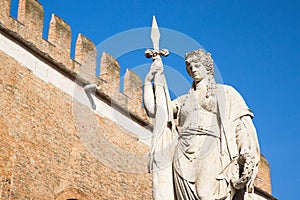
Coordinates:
(207,61)
(202,56)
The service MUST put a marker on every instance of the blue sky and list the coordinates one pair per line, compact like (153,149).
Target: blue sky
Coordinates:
(255,45)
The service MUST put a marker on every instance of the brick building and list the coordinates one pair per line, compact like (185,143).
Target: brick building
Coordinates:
(53,144)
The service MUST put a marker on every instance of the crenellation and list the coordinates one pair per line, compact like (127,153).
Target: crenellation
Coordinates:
(110,73)
(133,89)
(60,35)
(75,66)
(29,26)
(86,54)
(4,10)
(31,14)
(15,26)
(121,99)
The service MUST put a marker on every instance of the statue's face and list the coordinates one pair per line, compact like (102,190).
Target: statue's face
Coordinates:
(196,70)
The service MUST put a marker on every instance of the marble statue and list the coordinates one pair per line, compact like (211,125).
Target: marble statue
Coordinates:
(204,144)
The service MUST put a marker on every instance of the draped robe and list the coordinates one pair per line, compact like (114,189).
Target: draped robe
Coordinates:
(231,109)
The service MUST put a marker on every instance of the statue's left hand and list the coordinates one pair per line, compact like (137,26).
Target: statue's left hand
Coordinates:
(246,161)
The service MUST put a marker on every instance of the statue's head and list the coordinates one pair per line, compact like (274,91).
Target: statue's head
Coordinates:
(200,61)
(200,65)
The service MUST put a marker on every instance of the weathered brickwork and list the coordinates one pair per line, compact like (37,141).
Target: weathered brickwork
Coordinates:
(46,152)
(39,134)
(133,89)
(263,179)
(7,149)
(110,74)
(31,15)
(60,35)
(29,26)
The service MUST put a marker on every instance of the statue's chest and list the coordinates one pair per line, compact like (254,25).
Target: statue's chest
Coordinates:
(197,111)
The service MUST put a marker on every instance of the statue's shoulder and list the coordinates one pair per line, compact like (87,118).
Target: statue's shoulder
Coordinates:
(227,89)
(230,97)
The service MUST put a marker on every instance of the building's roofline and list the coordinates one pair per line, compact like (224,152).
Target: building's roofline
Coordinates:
(72,75)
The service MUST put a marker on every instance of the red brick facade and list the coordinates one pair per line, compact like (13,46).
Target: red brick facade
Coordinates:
(42,153)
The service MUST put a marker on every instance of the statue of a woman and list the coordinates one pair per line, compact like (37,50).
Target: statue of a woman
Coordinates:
(206,135)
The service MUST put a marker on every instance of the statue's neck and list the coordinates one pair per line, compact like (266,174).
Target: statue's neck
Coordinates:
(200,85)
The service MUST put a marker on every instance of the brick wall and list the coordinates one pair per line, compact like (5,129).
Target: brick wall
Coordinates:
(42,153)
(263,179)
(45,152)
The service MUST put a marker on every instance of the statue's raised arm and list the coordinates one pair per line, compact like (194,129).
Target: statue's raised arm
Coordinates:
(159,106)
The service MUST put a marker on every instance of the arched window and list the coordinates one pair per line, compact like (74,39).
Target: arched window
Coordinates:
(71,194)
